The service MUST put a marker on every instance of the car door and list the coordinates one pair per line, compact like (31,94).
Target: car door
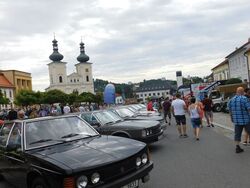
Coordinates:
(4,135)
(15,156)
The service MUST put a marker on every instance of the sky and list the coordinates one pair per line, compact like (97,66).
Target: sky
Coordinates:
(126,40)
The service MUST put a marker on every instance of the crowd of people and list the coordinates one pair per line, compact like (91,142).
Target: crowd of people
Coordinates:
(44,110)
(239,109)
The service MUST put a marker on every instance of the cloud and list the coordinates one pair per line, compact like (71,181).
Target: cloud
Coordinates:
(126,40)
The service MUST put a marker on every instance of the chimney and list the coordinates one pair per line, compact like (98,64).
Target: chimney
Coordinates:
(249,39)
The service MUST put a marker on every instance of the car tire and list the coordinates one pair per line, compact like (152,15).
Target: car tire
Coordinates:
(39,183)
(217,108)
(1,177)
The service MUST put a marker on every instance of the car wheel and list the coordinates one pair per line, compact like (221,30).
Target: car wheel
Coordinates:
(1,177)
(39,183)
(217,108)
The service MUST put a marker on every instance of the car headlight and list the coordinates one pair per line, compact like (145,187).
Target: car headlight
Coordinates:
(82,182)
(144,158)
(138,161)
(144,133)
(95,178)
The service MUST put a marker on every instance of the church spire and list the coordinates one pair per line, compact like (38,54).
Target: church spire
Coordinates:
(55,56)
(82,57)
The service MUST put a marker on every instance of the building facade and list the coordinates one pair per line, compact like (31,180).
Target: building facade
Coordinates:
(247,55)
(221,71)
(79,81)
(19,79)
(7,90)
(238,64)
(153,89)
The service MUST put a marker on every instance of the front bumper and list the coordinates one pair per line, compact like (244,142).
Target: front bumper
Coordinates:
(137,175)
(151,138)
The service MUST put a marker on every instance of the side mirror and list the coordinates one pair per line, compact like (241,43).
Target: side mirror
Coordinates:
(95,123)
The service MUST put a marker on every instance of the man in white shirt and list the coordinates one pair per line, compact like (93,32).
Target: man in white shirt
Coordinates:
(179,109)
(66,109)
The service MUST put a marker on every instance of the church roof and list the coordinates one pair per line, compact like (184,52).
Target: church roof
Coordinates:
(82,58)
(55,56)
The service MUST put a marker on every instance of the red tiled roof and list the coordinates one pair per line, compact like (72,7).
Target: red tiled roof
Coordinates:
(4,82)
(222,63)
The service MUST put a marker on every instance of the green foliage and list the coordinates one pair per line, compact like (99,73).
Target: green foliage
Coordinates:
(3,99)
(26,97)
(54,96)
(233,81)
(72,98)
(87,97)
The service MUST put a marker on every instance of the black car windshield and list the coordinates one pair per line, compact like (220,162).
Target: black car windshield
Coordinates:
(124,112)
(51,131)
(107,117)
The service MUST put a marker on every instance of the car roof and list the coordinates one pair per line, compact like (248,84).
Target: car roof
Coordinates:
(42,118)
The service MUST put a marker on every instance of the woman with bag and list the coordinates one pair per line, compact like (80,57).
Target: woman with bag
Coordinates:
(194,112)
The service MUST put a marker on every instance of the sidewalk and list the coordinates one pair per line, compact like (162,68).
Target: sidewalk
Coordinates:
(222,120)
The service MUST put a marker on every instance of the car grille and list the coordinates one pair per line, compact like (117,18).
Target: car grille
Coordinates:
(155,129)
(119,169)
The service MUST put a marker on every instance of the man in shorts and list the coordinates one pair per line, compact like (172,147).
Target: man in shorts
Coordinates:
(166,106)
(179,109)
(239,109)
(208,109)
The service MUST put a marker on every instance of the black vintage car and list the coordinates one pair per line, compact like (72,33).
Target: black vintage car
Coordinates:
(66,152)
(107,122)
(125,113)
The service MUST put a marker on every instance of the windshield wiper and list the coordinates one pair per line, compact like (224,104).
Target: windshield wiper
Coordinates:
(45,140)
(119,120)
(70,135)
(109,123)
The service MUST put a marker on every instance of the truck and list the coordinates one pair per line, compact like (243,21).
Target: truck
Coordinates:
(220,93)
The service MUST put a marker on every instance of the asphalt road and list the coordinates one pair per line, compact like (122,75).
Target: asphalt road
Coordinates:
(208,163)
(185,162)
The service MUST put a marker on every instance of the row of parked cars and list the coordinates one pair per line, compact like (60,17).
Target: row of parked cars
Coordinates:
(86,150)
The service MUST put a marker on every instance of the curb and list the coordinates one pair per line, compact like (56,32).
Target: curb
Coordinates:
(223,126)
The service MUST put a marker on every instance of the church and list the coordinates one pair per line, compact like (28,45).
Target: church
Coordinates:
(79,81)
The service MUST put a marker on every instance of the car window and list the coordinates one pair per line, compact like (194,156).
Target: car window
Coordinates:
(87,117)
(15,135)
(55,130)
(4,133)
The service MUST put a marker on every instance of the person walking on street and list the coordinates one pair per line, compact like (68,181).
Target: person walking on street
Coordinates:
(246,135)
(178,109)
(150,106)
(166,106)
(194,112)
(199,103)
(208,109)
(239,109)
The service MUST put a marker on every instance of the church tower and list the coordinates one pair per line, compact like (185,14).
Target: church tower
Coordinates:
(57,69)
(84,69)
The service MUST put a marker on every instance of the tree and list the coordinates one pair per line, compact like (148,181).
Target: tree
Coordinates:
(233,81)
(54,96)
(26,97)
(3,99)
(86,97)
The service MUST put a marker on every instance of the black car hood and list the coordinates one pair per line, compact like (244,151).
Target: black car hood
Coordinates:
(141,124)
(91,152)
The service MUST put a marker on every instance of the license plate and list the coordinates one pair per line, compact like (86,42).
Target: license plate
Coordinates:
(133,184)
